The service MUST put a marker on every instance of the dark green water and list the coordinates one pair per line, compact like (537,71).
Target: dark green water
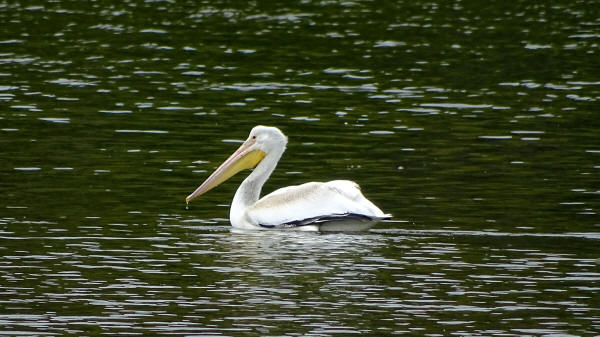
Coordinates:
(474,123)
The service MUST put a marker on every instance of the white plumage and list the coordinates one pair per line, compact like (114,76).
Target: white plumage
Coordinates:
(335,205)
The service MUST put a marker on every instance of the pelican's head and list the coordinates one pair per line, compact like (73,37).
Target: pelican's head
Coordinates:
(267,138)
(261,141)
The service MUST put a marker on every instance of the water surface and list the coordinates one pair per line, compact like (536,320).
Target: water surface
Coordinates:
(474,124)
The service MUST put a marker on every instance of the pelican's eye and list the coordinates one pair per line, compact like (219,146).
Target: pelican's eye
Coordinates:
(253,137)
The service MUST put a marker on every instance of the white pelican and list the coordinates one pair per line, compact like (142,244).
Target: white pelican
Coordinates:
(332,206)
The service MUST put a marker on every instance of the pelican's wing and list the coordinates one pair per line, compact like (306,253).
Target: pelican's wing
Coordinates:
(341,222)
(313,203)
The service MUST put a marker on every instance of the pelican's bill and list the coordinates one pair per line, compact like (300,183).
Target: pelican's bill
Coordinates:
(241,159)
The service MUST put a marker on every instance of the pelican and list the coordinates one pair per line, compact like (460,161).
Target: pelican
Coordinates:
(315,206)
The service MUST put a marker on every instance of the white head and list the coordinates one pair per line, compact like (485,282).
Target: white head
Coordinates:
(262,141)
(267,139)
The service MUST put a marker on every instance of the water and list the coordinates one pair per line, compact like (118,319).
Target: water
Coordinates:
(182,278)
(474,124)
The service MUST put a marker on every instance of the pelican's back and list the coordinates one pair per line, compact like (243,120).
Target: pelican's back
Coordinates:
(314,201)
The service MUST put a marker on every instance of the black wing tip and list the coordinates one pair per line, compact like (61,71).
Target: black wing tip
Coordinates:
(319,220)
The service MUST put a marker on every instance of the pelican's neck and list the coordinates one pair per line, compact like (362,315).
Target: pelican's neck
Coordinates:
(249,191)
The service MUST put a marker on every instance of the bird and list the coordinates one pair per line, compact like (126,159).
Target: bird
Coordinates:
(337,205)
